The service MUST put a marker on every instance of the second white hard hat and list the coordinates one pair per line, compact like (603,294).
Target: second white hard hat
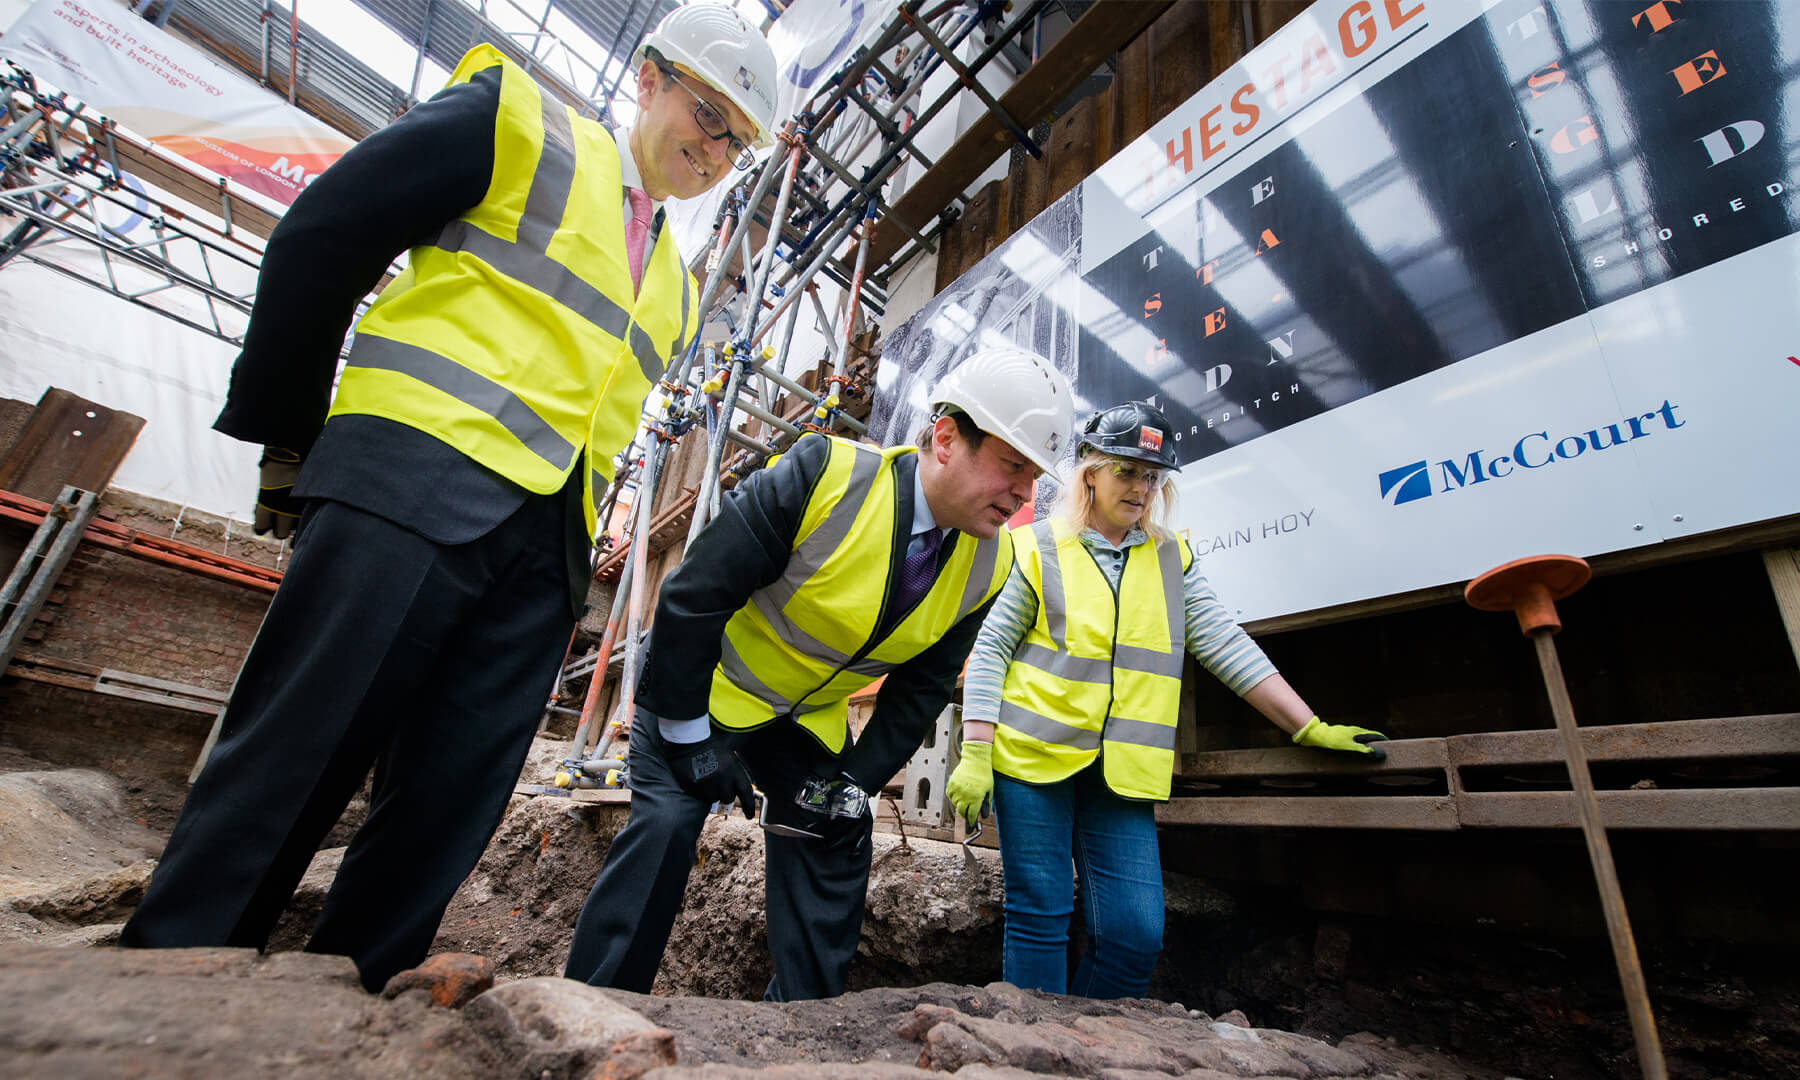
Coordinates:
(1014,395)
(720,46)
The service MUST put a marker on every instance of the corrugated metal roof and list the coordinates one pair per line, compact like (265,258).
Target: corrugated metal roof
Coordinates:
(340,89)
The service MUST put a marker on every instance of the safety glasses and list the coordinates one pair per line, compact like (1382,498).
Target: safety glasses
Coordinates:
(712,123)
(1131,472)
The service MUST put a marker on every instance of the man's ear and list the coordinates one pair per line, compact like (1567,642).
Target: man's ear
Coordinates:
(944,436)
(649,81)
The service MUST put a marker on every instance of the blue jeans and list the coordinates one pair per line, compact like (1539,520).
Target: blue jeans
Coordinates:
(1049,834)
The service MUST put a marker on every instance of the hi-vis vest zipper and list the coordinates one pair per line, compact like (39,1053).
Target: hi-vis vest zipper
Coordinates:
(803,645)
(1094,670)
(513,334)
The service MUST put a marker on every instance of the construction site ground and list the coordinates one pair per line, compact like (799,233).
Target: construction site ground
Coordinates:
(77,846)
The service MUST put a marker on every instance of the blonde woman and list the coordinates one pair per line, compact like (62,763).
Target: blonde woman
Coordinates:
(1070,703)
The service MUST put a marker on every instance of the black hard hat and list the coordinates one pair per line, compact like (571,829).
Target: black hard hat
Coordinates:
(1136,429)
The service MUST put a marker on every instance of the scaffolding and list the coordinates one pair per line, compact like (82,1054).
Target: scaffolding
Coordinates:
(817,203)
(826,180)
(64,187)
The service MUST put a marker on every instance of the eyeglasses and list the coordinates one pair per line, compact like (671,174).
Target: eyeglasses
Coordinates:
(712,123)
(1131,473)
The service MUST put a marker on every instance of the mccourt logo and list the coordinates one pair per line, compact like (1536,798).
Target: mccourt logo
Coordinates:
(1412,482)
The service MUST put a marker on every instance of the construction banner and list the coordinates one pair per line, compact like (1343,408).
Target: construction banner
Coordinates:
(167,91)
(1428,285)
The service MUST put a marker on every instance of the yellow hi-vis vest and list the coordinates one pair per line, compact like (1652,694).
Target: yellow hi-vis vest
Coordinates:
(1094,670)
(802,646)
(513,334)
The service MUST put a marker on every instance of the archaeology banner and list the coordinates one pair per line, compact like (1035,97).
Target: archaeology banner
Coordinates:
(127,69)
(1427,285)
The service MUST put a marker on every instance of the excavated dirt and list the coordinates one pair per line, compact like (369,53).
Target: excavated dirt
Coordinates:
(76,848)
(228,1012)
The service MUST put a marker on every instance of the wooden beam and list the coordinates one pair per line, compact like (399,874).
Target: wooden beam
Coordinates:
(1431,813)
(1099,33)
(1783,565)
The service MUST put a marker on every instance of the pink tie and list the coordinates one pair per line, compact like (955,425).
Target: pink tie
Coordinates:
(637,233)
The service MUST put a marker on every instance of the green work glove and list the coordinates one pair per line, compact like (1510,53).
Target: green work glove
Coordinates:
(972,784)
(1346,737)
(277,510)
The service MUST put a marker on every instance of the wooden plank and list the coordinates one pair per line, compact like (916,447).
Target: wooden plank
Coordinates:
(1180,57)
(68,440)
(964,243)
(1783,565)
(1106,122)
(1225,36)
(1132,85)
(1738,809)
(1433,813)
(1071,150)
(613,796)
(1268,16)
(1096,35)
(159,172)
(1734,736)
(1404,755)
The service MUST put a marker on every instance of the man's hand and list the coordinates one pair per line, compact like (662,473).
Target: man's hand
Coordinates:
(972,784)
(277,510)
(1346,737)
(709,772)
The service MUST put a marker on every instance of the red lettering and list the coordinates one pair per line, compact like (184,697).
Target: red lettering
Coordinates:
(1699,71)
(1315,53)
(1153,305)
(1215,322)
(1396,16)
(1245,109)
(1209,127)
(1205,272)
(1266,241)
(1185,156)
(1544,78)
(1657,15)
(1278,88)
(1358,36)
(1582,133)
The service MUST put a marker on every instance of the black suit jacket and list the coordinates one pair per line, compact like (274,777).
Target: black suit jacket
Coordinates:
(391,192)
(747,548)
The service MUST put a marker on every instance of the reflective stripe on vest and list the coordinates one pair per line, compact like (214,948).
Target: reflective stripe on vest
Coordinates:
(804,644)
(1096,671)
(514,334)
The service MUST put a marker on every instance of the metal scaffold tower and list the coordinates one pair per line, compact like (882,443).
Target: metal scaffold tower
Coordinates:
(833,162)
(63,192)
(812,213)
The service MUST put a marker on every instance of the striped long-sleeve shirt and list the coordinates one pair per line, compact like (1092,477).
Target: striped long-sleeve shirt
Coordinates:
(1213,637)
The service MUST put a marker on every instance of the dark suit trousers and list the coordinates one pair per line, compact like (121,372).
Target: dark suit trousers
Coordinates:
(814,889)
(429,663)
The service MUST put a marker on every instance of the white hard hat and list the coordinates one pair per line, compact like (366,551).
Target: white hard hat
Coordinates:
(721,47)
(1016,396)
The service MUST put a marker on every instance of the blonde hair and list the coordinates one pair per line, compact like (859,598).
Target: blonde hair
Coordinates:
(1075,502)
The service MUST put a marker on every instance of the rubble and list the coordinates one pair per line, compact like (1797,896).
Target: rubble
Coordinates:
(224,1012)
(74,861)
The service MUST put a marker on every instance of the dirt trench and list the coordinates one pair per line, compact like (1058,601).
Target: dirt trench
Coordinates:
(77,846)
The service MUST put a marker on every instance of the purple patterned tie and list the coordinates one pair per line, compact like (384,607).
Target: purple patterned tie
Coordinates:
(918,570)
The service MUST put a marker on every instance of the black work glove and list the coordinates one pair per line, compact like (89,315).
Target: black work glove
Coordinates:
(277,510)
(710,772)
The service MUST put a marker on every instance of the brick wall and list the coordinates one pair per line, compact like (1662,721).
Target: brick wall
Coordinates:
(147,619)
(110,610)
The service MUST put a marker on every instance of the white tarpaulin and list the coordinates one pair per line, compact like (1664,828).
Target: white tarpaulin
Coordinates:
(54,332)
